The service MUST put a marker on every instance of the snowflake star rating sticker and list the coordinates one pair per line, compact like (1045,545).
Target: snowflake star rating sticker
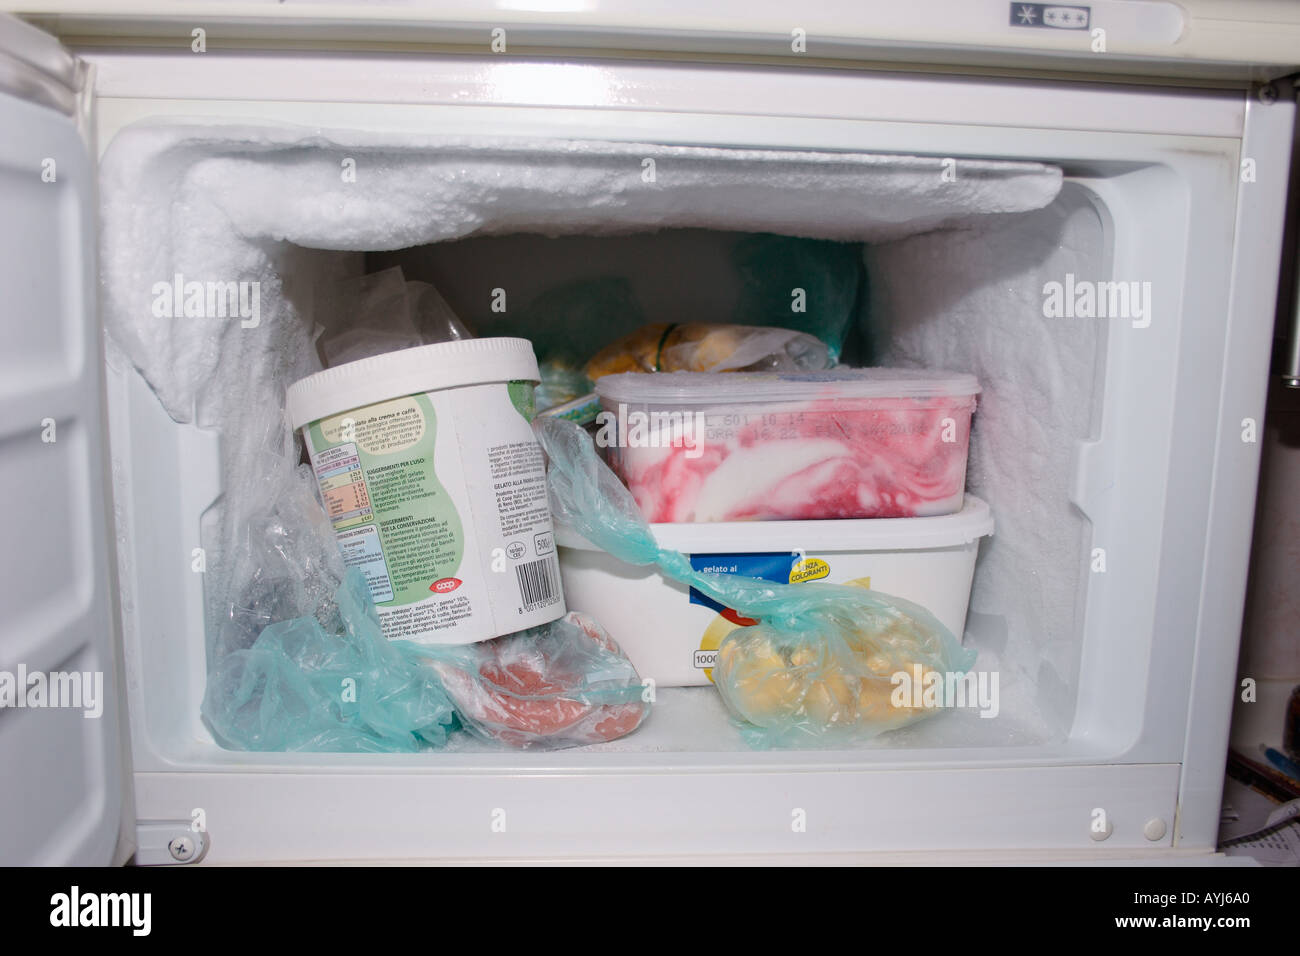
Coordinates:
(1027,15)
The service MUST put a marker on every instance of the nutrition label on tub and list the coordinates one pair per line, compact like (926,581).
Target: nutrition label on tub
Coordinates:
(347,502)
(439,500)
(361,550)
(343,486)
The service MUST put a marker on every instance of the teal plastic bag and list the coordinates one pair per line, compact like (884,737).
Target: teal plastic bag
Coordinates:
(823,664)
(828,273)
(297,660)
(569,322)
(301,687)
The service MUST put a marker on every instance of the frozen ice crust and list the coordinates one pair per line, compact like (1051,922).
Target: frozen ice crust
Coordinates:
(824,446)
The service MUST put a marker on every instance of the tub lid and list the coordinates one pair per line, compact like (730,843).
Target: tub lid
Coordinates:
(973,521)
(425,368)
(734,388)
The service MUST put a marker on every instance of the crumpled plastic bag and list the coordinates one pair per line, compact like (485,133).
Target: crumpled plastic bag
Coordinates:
(276,557)
(297,660)
(379,313)
(829,273)
(562,684)
(569,321)
(827,667)
(561,383)
(822,664)
(709,347)
(303,687)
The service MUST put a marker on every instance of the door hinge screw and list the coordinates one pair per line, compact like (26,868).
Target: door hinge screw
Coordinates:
(181,849)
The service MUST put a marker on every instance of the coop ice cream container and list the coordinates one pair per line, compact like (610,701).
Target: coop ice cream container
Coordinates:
(436,487)
(742,446)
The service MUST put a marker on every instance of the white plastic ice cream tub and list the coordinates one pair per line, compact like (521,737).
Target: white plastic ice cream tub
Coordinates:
(436,486)
(744,446)
(671,633)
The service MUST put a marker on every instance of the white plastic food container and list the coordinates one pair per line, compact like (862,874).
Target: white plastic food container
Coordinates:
(741,446)
(671,633)
(436,486)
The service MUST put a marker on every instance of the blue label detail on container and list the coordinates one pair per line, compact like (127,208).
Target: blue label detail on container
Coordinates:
(768,565)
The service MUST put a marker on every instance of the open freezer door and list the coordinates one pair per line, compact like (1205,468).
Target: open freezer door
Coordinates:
(60,714)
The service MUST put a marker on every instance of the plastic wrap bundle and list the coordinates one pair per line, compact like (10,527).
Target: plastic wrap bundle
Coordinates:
(709,347)
(559,685)
(299,661)
(302,686)
(566,323)
(829,273)
(822,664)
(382,312)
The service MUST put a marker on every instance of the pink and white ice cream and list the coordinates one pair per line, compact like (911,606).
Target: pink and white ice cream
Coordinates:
(848,443)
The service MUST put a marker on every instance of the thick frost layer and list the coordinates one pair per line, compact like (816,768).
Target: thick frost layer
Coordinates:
(218,204)
(972,300)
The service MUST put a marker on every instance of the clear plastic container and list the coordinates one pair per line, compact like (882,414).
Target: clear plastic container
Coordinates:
(736,446)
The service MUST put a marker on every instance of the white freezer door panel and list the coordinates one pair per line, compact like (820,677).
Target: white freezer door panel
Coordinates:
(59,738)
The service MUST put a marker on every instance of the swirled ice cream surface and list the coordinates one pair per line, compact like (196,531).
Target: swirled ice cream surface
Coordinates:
(849,443)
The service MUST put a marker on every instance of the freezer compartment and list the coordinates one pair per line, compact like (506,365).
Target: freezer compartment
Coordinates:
(960,276)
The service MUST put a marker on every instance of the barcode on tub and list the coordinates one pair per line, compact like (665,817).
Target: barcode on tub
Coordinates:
(537,582)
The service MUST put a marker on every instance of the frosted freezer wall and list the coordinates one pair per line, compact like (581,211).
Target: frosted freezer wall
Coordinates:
(974,298)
